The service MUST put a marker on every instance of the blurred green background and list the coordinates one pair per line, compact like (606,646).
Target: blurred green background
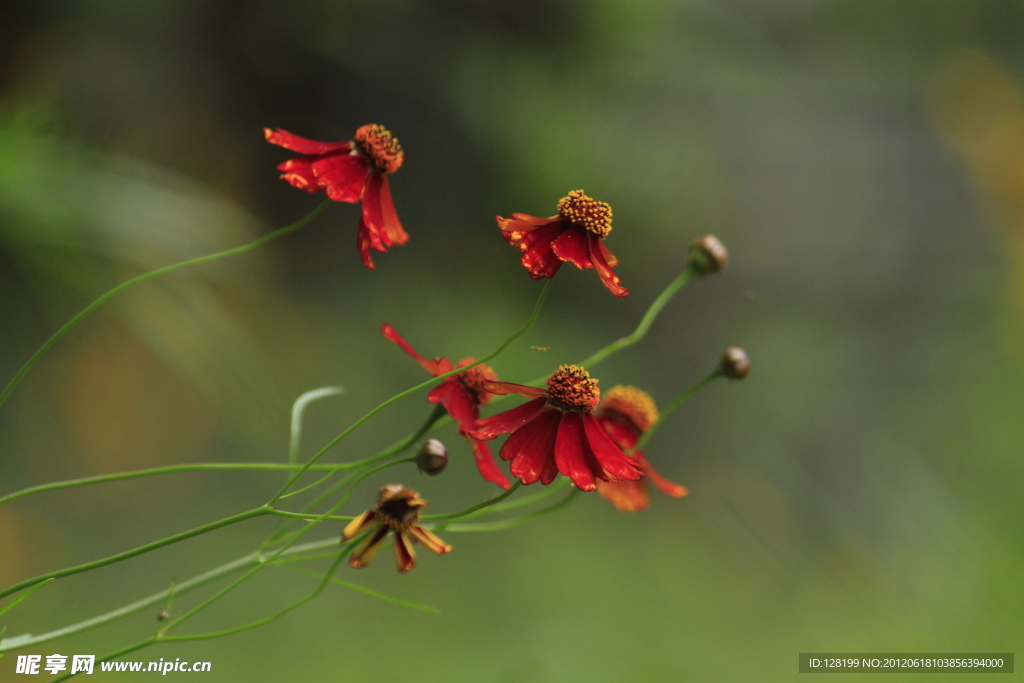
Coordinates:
(862,159)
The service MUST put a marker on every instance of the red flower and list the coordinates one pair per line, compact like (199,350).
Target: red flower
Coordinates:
(461,395)
(397,511)
(556,432)
(576,234)
(351,171)
(626,413)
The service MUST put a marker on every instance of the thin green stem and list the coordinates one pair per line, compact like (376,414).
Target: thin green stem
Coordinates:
(310,518)
(645,323)
(418,387)
(120,557)
(64,329)
(509,523)
(675,403)
(174,469)
(114,655)
(478,506)
(159,598)
(367,591)
(299,410)
(23,596)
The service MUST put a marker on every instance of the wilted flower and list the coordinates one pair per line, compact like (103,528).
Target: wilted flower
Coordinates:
(397,511)
(461,395)
(575,235)
(557,432)
(350,171)
(626,413)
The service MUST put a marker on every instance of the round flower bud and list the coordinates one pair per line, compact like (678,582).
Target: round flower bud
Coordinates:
(432,457)
(708,255)
(734,363)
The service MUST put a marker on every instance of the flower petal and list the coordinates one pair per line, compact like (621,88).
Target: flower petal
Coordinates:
(283,138)
(488,467)
(604,271)
(365,239)
(510,420)
(358,525)
(430,540)
(615,464)
(299,173)
(513,229)
(571,452)
(503,388)
(405,556)
(626,496)
(574,247)
(538,256)
(549,473)
(461,405)
(393,231)
(532,446)
(437,366)
(343,176)
(609,257)
(667,487)
(368,548)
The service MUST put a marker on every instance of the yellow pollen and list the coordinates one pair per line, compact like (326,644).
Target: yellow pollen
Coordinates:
(571,387)
(593,215)
(381,146)
(634,404)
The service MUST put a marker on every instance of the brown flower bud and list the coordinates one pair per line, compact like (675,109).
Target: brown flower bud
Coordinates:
(734,363)
(163,616)
(432,457)
(708,255)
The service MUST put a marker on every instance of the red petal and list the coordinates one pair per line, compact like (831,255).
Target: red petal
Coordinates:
(437,366)
(574,247)
(604,271)
(342,175)
(571,452)
(430,540)
(504,388)
(405,556)
(669,488)
(549,473)
(615,464)
(532,446)
(487,465)
(393,232)
(608,256)
(362,555)
(538,256)
(365,240)
(508,421)
(626,496)
(461,405)
(513,229)
(283,138)
(299,173)
(622,432)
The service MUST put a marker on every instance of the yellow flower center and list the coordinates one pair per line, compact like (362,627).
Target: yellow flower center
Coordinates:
(593,215)
(636,405)
(381,146)
(571,387)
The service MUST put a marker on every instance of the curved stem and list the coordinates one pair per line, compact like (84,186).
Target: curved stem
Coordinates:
(407,392)
(103,298)
(120,557)
(114,655)
(509,523)
(478,506)
(646,436)
(172,469)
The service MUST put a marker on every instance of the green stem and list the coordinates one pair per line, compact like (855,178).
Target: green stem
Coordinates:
(367,591)
(478,506)
(249,560)
(23,596)
(672,406)
(114,655)
(142,278)
(407,392)
(120,557)
(172,469)
(509,523)
(645,323)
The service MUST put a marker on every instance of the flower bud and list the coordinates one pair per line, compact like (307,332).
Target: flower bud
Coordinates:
(163,616)
(734,363)
(708,255)
(432,457)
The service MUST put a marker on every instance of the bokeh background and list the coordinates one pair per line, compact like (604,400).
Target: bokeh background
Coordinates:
(862,159)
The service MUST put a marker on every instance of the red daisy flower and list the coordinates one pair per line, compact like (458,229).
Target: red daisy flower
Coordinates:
(461,395)
(575,235)
(350,171)
(397,511)
(626,413)
(557,432)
